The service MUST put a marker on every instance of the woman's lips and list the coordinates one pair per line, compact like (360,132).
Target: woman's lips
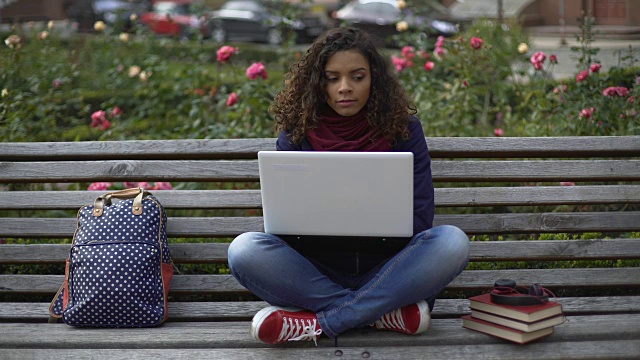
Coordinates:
(346,103)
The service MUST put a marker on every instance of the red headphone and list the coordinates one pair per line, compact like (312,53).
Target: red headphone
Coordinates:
(506,292)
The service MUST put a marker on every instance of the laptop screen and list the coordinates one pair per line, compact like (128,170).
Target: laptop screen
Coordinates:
(339,194)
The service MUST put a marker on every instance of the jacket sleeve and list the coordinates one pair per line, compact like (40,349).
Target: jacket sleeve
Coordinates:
(423,193)
(284,144)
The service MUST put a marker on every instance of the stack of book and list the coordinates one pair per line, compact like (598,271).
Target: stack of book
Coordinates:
(520,324)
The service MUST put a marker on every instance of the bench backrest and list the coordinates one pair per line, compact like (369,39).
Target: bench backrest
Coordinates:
(504,191)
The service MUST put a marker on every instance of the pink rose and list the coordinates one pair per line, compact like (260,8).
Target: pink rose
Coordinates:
(537,65)
(429,65)
(98,117)
(225,52)
(145,185)
(162,186)
(257,70)
(440,51)
(408,52)
(498,132)
(538,57)
(553,59)
(616,91)
(232,99)
(587,113)
(476,43)
(567,183)
(99,186)
(401,63)
(595,67)
(129,185)
(116,111)
(104,125)
(583,75)
(440,41)
(559,89)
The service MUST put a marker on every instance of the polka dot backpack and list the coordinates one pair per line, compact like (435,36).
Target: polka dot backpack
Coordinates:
(119,267)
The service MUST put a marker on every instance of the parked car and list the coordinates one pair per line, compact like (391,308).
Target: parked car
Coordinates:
(114,13)
(379,17)
(252,20)
(178,18)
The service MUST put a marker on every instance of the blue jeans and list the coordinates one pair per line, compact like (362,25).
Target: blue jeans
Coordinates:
(281,276)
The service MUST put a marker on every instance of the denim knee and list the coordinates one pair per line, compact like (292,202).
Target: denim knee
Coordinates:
(241,246)
(456,240)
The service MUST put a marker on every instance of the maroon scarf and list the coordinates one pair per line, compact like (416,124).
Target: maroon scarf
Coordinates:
(346,133)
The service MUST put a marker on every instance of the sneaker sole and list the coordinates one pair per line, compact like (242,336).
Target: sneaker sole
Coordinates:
(425,321)
(259,317)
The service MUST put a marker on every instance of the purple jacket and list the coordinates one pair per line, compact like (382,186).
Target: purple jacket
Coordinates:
(423,204)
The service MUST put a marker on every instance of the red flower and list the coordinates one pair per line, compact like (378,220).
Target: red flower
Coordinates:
(257,70)
(232,99)
(537,65)
(129,185)
(116,111)
(538,57)
(616,91)
(408,52)
(401,63)
(595,67)
(567,183)
(145,185)
(553,59)
(583,75)
(587,113)
(99,186)
(162,186)
(429,65)
(476,43)
(99,120)
(498,132)
(440,41)
(225,52)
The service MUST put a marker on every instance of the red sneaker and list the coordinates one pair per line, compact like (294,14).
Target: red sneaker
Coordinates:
(411,319)
(274,325)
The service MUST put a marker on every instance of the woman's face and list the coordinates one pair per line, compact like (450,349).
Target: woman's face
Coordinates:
(348,82)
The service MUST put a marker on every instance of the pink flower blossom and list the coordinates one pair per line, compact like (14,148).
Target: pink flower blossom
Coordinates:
(595,67)
(440,41)
(587,113)
(162,186)
(145,185)
(560,89)
(429,65)
(401,63)
(99,120)
(616,91)
(232,99)
(99,186)
(129,184)
(440,51)
(225,52)
(537,65)
(56,83)
(408,52)
(582,75)
(538,57)
(115,111)
(553,59)
(567,183)
(257,70)
(476,43)
(498,132)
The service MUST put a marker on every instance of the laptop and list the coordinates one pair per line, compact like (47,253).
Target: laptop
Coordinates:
(359,196)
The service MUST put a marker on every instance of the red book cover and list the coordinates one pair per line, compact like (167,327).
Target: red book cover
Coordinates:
(522,313)
(504,332)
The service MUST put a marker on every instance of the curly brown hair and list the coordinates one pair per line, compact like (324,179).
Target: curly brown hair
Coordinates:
(296,107)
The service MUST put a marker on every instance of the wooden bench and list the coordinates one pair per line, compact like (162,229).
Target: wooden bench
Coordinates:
(503,191)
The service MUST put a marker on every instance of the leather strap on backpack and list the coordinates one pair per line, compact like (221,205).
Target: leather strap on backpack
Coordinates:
(105,200)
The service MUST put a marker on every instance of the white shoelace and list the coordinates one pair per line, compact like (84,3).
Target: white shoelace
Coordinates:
(296,330)
(391,320)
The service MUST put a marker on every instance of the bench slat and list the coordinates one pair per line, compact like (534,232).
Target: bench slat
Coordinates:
(251,199)
(467,280)
(470,223)
(540,350)
(244,310)
(538,250)
(583,329)
(527,147)
(223,170)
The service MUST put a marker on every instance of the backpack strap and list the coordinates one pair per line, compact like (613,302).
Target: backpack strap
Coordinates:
(105,200)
